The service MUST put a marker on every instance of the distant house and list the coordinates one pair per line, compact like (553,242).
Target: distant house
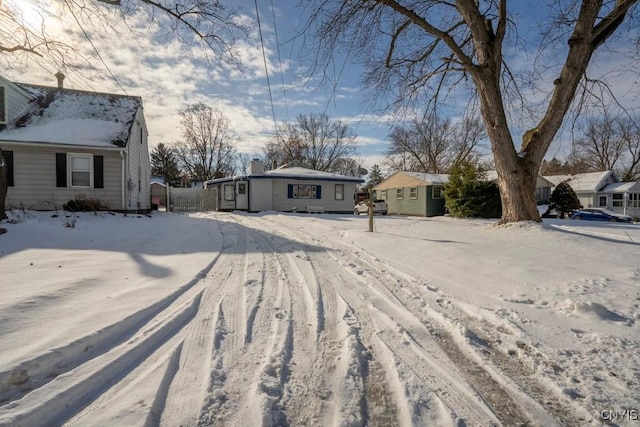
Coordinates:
(287,189)
(543,186)
(421,194)
(603,189)
(413,193)
(62,144)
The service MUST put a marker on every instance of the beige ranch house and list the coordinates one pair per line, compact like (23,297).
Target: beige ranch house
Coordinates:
(63,144)
(286,189)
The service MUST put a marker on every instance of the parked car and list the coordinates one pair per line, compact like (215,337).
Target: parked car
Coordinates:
(379,207)
(600,214)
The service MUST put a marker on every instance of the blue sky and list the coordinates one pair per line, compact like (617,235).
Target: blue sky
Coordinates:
(169,77)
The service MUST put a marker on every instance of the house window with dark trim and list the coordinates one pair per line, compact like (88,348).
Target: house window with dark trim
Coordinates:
(437,192)
(229,192)
(413,192)
(3,105)
(399,193)
(634,200)
(304,191)
(339,191)
(617,200)
(80,170)
(602,201)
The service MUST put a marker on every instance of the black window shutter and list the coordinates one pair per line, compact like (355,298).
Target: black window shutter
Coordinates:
(8,158)
(98,171)
(61,169)
(290,191)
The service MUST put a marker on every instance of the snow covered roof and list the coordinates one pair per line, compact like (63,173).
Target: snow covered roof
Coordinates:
(584,182)
(621,187)
(73,117)
(431,178)
(295,172)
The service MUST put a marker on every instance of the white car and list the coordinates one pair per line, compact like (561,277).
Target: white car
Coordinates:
(379,207)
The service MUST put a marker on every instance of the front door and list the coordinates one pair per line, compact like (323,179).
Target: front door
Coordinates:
(242,195)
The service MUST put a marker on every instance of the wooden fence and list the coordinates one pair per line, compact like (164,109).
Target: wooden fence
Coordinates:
(192,199)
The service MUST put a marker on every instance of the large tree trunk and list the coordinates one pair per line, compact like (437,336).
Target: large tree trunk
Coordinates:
(3,186)
(517,174)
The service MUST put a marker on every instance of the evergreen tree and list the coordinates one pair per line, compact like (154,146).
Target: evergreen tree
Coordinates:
(468,194)
(165,164)
(564,199)
(375,177)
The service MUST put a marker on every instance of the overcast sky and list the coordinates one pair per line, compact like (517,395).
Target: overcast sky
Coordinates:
(169,77)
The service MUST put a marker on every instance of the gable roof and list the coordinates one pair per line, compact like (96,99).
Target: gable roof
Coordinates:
(430,178)
(585,182)
(73,117)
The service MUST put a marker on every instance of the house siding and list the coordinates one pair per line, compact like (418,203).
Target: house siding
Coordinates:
(138,179)
(281,201)
(34,173)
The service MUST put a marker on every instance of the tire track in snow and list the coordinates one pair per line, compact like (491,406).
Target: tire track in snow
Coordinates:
(308,389)
(379,289)
(37,372)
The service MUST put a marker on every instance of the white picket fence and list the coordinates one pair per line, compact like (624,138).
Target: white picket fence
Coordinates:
(192,199)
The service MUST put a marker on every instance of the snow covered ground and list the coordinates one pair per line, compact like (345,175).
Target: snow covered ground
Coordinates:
(291,319)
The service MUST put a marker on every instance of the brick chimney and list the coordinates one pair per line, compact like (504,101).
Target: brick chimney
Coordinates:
(60,78)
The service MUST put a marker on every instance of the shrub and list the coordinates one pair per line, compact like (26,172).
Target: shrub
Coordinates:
(83,205)
(468,195)
(564,199)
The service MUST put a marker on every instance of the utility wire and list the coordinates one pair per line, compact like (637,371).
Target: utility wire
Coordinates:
(284,89)
(266,70)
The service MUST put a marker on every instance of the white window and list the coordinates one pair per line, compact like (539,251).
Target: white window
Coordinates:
(437,192)
(229,192)
(399,193)
(617,200)
(80,170)
(634,200)
(339,191)
(383,194)
(413,192)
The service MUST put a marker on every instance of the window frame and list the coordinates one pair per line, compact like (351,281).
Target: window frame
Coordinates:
(439,189)
(229,196)
(304,191)
(413,192)
(383,194)
(633,200)
(339,192)
(399,193)
(602,201)
(71,170)
(617,200)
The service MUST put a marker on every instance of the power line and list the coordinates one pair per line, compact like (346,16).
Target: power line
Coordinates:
(284,90)
(266,70)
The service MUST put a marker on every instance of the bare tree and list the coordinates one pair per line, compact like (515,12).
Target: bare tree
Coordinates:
(601,145)
(428,47)
(609,143)
(433,145)
(314,141)
(204,21)
(208,148)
